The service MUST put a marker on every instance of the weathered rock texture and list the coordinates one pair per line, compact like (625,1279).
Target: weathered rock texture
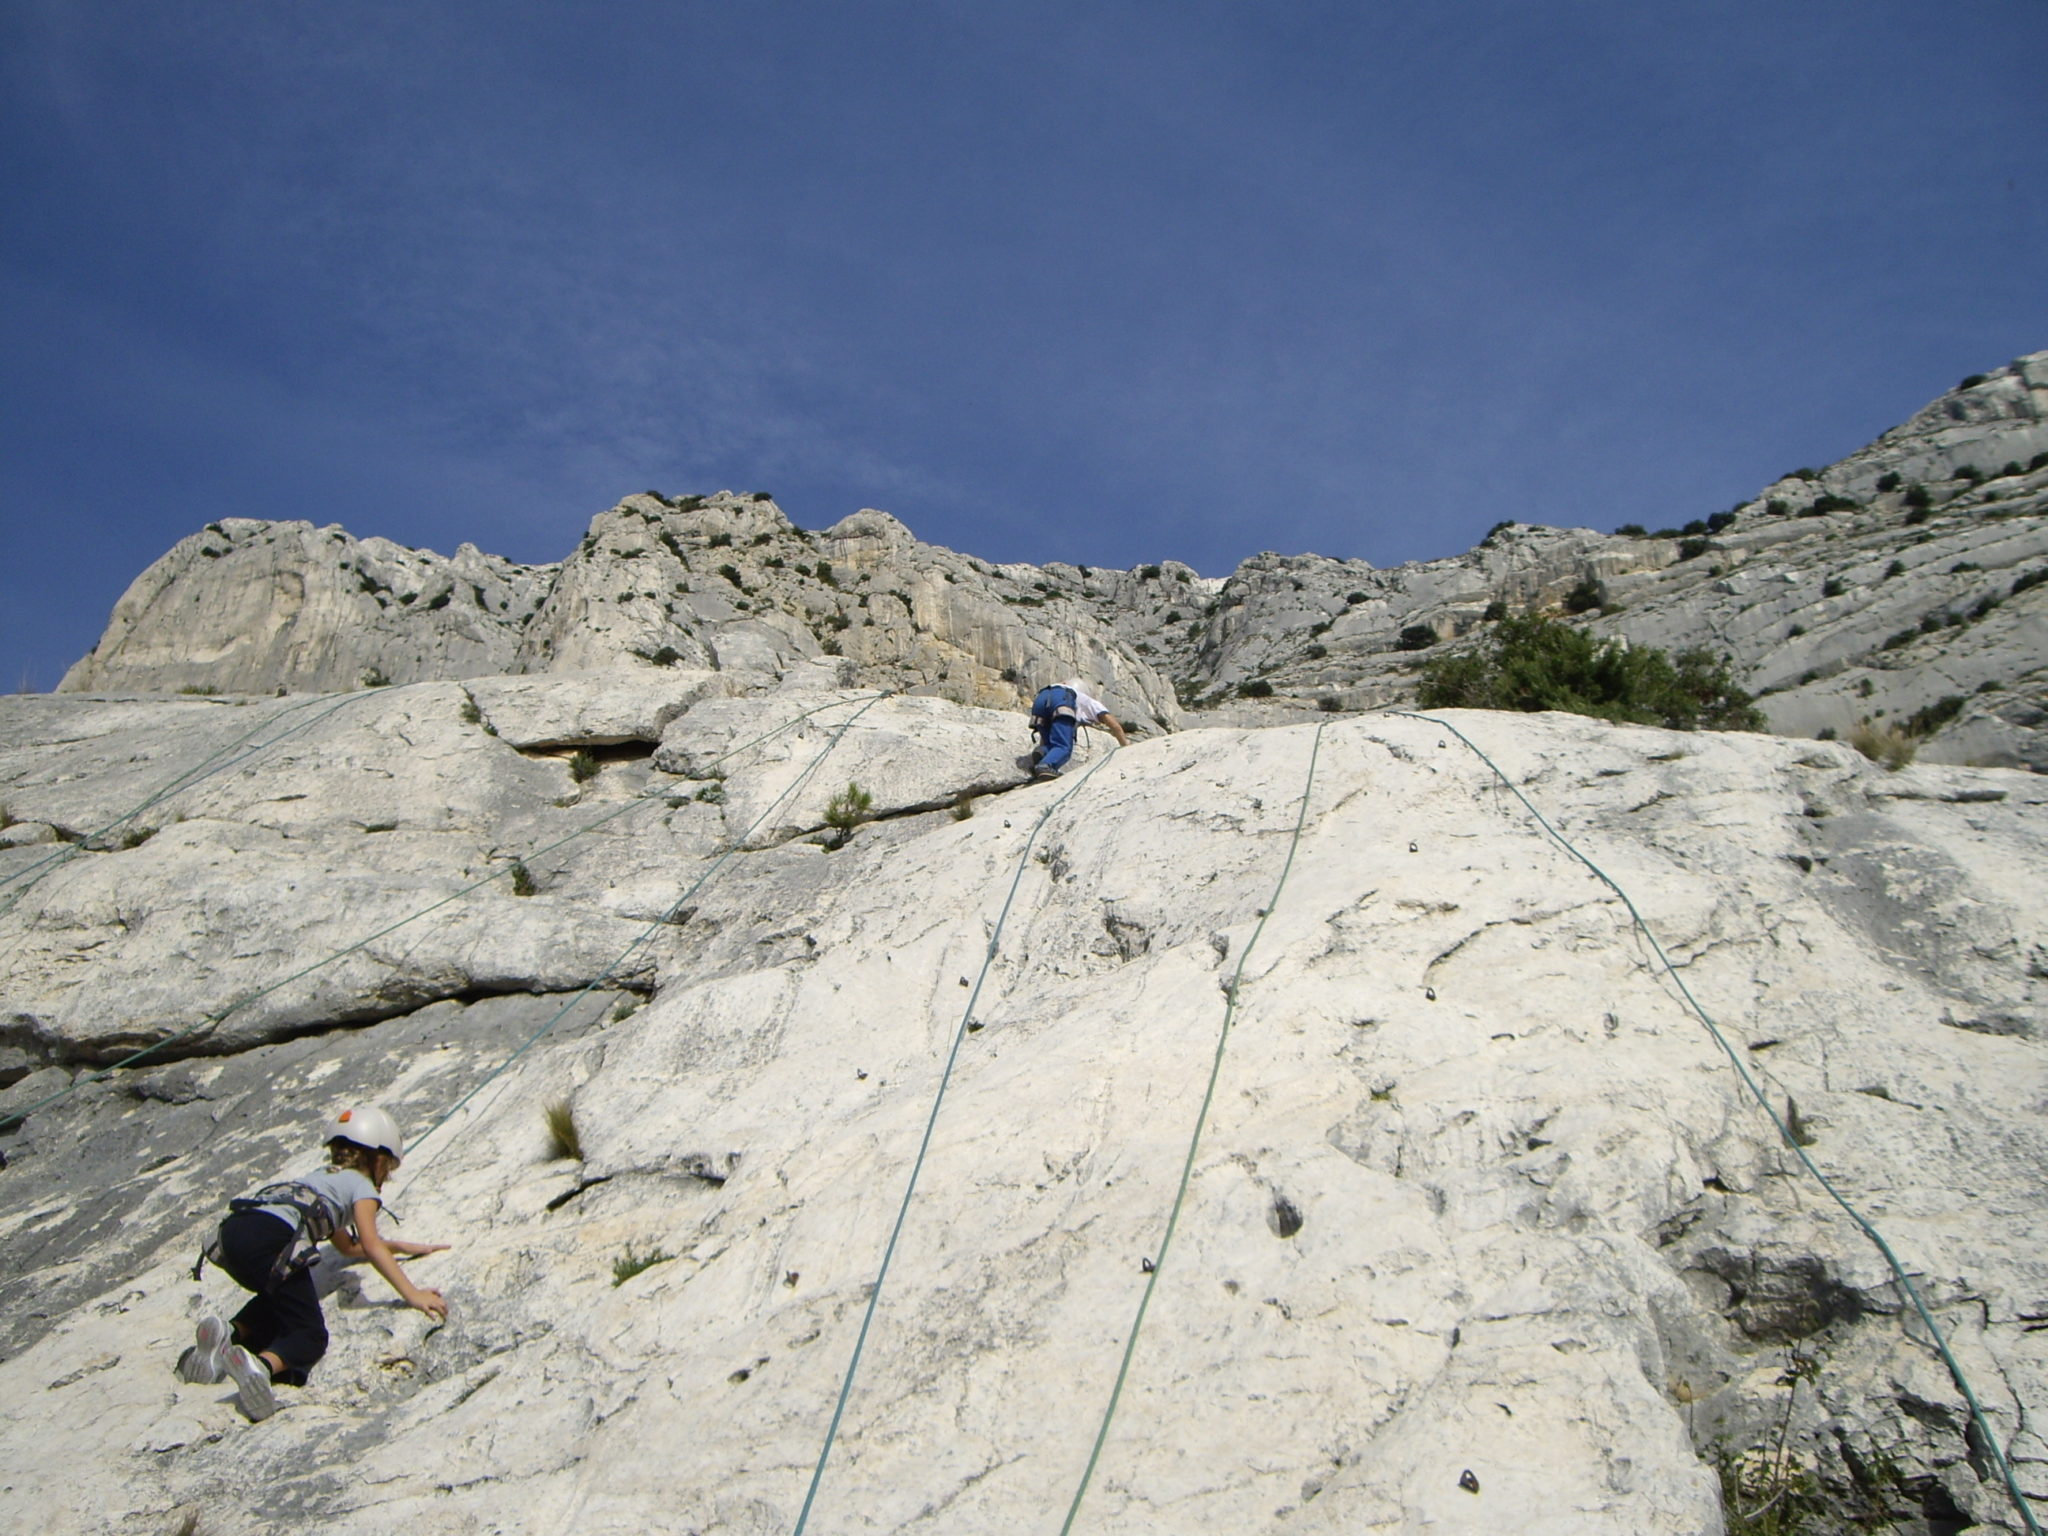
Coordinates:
(1477,1194)
(1814,588)
(1927,590)
(246,606)
(723,583)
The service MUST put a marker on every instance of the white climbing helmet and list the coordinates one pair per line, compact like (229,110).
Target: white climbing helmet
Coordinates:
(368,1126)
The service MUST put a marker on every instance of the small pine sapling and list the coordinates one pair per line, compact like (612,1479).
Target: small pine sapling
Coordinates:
(847,810)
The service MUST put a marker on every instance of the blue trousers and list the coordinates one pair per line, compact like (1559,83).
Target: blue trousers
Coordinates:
(1056,742)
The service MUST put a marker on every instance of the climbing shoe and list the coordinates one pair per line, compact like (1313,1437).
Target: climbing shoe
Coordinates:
(252,1384)
(206,1361)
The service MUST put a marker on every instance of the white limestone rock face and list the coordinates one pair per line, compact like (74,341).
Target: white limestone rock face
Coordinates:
(1816,589)
(1879,616)
(588,708)
(247,606)
(1986,422)
(313,827)
(904,754)
(1475,1193)
(722,583)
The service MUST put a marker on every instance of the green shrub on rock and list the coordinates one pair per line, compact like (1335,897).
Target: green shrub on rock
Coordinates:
(847,810)
(1586,596)
(1535,664)
(1926,721)
(631,1263)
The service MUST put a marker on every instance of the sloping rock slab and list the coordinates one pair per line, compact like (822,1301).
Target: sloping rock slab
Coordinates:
(908,753)
(124,949)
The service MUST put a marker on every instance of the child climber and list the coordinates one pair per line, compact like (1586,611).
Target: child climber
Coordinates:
(268,1242)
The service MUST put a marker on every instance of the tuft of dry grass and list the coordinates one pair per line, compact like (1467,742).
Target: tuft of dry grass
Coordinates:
(631,1263)
(1885,744)
(563,1138)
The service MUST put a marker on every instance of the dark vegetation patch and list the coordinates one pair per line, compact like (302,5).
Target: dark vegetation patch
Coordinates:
(1536,664)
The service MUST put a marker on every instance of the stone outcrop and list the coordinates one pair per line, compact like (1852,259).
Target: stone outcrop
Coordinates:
(1878,615)
(723,583)
(1485,1232)
(1816,589)
(1987,422)
(246,606)
(1904,584)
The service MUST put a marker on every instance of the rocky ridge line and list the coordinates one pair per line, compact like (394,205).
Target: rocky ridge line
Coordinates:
(1818,588)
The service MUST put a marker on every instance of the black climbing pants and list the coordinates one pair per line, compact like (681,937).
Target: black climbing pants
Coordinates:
(283,1316)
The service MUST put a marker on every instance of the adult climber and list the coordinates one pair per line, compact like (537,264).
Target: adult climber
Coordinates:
(1056,717)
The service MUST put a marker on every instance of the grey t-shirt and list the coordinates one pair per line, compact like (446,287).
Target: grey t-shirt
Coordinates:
(338,1188)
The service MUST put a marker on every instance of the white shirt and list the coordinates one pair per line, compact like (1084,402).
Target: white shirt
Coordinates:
(338,1189)
(1087,709)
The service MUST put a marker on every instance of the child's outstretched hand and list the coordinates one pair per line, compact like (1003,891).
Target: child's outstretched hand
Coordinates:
(429,1302)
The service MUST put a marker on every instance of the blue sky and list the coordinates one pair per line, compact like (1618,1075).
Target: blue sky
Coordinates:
(1107,282)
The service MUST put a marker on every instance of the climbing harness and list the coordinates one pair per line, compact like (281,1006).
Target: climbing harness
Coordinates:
(317,1214)
(1157,1263)
(419,1161)
(1783,1128)
(1053,702)
(212,1020)
(960,1033)
(314,1223)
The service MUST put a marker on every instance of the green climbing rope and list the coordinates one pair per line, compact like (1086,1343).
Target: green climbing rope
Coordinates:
(415,1163)
(923,1146)
(1187,1167)
(215,1019)
(1784,1130)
